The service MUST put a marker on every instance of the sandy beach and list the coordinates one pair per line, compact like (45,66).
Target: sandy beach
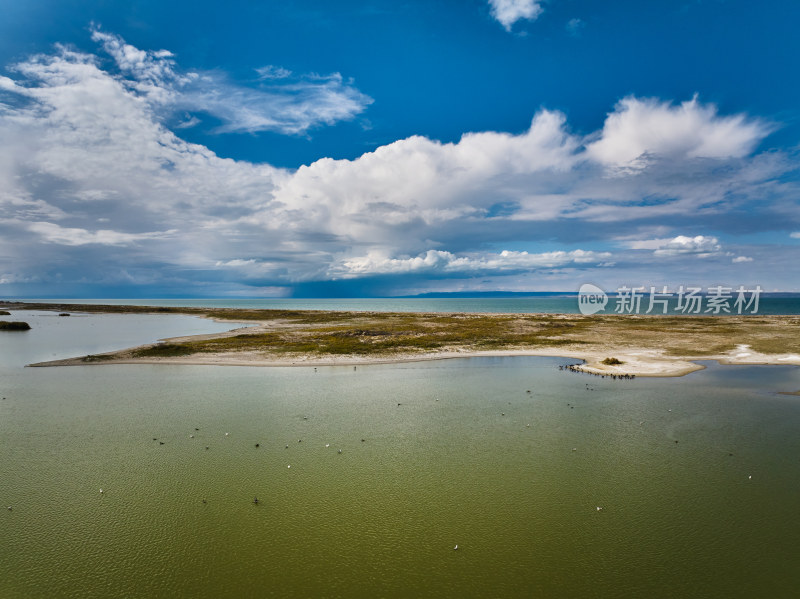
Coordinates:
(641,362)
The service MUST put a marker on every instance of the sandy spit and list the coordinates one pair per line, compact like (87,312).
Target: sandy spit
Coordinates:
(639,362)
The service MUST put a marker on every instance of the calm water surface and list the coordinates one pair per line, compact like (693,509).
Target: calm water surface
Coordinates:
(453,453)
(549,304)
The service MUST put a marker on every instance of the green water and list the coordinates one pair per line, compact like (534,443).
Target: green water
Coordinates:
(513,478)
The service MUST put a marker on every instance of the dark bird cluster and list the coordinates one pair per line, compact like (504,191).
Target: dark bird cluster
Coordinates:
(577,368)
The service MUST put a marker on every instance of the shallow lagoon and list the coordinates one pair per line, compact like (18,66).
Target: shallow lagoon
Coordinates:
(513,478)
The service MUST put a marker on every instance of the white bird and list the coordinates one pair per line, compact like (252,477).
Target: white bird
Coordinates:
(101,490)
(288,466)
(751,476)
(327,444)
(456,547)
(599,508)
(226,434)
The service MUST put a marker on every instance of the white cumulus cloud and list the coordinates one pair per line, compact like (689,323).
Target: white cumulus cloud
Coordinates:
(641,129)
(419,180)
(447,262)
(700,245)
(508,12)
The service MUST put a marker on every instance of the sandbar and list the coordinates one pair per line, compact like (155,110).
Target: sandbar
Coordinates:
(605,345)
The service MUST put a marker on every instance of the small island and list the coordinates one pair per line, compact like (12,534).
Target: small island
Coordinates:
(6,325)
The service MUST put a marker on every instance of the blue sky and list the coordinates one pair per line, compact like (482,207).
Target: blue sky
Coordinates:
(390,148)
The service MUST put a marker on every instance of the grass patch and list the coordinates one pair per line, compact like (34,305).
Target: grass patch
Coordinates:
(773,345)
(709,348)
(164,350)
(393,333)
(6,325)
(5,313)
(612,362)
(96,358)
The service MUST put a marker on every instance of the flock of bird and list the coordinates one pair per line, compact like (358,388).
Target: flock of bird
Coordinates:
(569,367)
(579,369)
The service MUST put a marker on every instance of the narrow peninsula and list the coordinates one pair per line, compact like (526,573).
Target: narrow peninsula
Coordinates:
(641,345)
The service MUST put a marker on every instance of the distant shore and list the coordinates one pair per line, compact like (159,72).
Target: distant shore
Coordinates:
(607,345)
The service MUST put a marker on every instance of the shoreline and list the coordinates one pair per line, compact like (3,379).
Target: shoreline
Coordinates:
(657,369)
(648,346)
(651,366)
(640,363)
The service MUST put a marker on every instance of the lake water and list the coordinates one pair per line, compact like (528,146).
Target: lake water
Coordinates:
(433,455)
(550,304)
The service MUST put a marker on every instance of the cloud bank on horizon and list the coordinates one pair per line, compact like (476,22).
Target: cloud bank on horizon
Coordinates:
(100,193)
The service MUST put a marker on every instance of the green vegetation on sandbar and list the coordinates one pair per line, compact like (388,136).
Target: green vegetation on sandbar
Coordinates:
(394,333)
(6,325)
(163,350)
(612,362)
(353,333)
(97,358)
(329,333)
(391,334)
(5,313)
